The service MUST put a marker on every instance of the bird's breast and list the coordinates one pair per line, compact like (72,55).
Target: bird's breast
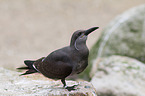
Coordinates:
(79,67)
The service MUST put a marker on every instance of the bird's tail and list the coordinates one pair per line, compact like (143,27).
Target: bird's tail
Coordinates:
(30,69)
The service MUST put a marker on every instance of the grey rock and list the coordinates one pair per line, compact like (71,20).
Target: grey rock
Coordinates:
(11,84)
(125,36)
(119,76)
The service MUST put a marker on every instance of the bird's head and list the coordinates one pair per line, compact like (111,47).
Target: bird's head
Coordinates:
(80,36)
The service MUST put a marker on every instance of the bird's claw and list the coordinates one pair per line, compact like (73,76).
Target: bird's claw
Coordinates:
(70,88)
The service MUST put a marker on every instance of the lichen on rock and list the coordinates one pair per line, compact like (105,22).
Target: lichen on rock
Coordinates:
(125,36)
(119,76)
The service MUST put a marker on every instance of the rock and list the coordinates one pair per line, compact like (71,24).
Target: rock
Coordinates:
(11,84)
(125,36)
(119,76)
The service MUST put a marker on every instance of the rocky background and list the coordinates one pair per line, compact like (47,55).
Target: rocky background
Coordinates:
(117,59)
(32,29)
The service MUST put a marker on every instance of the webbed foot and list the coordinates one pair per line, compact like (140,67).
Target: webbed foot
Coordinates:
(70,88)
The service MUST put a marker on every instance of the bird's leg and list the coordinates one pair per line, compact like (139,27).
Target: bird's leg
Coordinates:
(66,87)
(63,81)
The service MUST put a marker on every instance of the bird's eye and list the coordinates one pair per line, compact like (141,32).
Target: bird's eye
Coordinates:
(79,34)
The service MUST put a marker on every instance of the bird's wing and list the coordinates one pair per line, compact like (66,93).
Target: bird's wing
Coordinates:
(55,66)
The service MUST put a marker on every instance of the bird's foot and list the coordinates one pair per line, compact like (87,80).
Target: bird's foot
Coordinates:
(70,88)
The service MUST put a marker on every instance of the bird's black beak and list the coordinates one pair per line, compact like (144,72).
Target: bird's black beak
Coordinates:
(90,30)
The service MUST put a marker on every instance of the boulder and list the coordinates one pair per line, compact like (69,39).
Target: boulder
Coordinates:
(125,36)
(119,76)
(11,84)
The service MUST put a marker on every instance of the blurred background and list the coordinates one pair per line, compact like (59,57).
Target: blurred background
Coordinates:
(31,29)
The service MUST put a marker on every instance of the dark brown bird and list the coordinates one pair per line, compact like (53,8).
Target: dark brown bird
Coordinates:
(63,62)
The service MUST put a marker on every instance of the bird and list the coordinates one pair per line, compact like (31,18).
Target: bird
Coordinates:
(64,62)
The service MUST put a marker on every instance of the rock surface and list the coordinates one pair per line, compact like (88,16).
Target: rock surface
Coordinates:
(11,84)
(124,36)
(119,76)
